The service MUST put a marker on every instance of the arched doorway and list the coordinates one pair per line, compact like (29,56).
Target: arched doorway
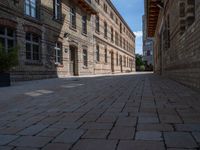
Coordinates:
(73,59)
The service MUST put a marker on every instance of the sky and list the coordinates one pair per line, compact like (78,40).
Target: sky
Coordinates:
(132,11)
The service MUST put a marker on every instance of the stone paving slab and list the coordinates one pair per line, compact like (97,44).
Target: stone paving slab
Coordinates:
(129,112)
(179,140)
(6,139)
(89,144)
(96,134)
(31,141)
(57,146)
(141,145)
(149,135)
(122,133)
(69,136)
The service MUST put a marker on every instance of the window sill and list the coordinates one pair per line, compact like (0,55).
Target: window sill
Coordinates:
(97,32)
(85,67)
(32,62)
(84,34)
(73,28)
(57,20)
(59,65)
(32,19)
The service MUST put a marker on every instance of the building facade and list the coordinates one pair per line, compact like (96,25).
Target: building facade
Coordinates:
(59,38)
(147,45)
(176,28)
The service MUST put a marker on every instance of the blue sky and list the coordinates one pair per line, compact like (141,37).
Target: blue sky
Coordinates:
(132,11)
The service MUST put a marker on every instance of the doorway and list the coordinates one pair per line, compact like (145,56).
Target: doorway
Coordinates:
(73,52)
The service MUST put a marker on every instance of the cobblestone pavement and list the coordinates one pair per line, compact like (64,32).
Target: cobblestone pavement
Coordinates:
(131,112)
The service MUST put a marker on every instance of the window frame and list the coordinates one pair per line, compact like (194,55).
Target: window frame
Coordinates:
(97,53)
(32,43)
(85,57)
(6,37)
(72,15)
(84,24)
(57,10)
(28,12)
(57,48)
(106,55)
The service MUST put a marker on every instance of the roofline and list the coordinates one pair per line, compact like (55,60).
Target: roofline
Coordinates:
(120,16)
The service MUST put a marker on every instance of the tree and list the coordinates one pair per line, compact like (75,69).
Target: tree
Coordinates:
(139,61)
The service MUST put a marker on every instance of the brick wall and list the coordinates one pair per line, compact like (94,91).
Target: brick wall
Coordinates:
(181,60)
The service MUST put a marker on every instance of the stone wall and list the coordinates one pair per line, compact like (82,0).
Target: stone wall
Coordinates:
(179,57)
(52,31)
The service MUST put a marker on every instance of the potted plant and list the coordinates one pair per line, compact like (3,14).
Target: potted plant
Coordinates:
(8,59)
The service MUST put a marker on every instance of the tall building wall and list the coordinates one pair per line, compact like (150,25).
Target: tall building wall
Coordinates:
(177,42)
(51,46)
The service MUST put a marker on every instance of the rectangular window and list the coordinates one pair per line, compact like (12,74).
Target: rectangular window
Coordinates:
(117,60)
(57,9)
(85,58)
(124,45)
(116,39)
(73,17)
(112,35)
(111,15)
(97,24)
(120,27)
(106,59)
(7,38)
(97,53)
(31,8)
(120,41)
(84,24)
(105,30)
(105,8)
(32,46)
(58,53)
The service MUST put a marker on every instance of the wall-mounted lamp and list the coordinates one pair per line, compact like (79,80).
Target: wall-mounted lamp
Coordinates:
(66,35)
(66,50)
(160,5)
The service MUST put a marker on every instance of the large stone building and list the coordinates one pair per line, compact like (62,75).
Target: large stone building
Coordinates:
(175,24)
(147,44)
(59,38)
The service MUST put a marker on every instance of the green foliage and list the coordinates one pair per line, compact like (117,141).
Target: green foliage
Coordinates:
(142,68)
(8,59)
(139,61)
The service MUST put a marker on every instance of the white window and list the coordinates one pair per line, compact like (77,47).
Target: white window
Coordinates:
(7,38)
(57,9)
(31,8)
(58,52)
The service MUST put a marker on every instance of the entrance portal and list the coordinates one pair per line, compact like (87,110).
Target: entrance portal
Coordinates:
(73,52)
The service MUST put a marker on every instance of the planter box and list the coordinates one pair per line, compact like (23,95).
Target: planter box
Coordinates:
(4,79)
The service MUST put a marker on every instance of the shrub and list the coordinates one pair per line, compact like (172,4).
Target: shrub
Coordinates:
(8,59)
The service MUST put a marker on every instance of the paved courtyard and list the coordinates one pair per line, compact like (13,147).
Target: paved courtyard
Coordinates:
(138,111)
